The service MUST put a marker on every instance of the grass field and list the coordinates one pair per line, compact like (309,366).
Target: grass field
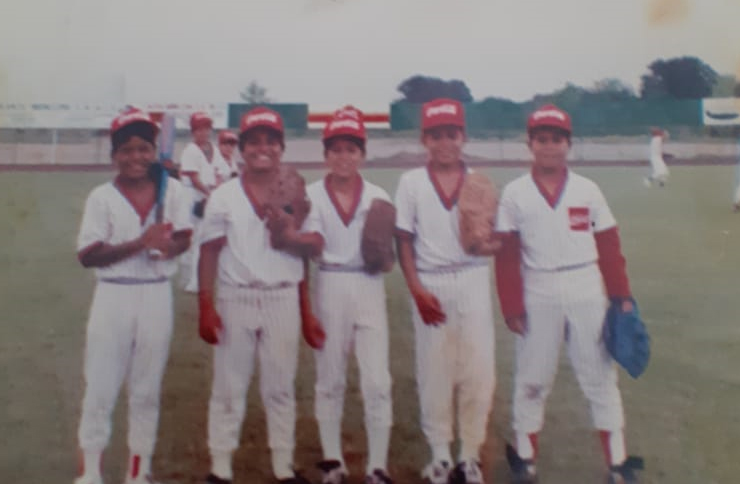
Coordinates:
(681,244)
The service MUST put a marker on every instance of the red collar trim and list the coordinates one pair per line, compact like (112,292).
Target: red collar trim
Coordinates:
(346,216)
(258,208)
(142,212)
(553,199)
(447,202)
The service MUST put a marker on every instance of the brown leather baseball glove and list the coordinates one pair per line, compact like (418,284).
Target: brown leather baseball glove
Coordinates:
(477,207)
(377,237)
(286,203)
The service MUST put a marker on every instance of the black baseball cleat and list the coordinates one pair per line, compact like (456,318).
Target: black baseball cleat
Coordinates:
(625,472)
(296,479)
(379,476)
(332,472)
(523,471)
(214,479)
(467,472)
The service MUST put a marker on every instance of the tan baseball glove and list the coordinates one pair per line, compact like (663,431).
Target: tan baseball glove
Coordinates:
(286,203)
(377,237)
(477,207)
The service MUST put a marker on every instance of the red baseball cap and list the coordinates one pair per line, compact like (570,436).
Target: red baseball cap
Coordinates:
(200,120)
(131,116)
(551,116)
(227,135)
(442,112)
(261,117)
(345,122)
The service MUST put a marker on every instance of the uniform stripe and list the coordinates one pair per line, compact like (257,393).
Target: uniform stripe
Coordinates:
(128,337)
(457,354)
(262,324)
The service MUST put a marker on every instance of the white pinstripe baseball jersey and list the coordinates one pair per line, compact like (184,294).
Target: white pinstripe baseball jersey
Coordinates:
(555,232)
(342,231)
(424,211)
(247,257)
(193,159)
(110,218)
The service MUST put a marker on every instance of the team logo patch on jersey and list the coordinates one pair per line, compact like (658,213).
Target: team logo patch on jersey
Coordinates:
(578,217)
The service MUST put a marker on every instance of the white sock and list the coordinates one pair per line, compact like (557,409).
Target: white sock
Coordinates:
(282,463)
(468,452)
(139,465)
(441,452)
(617,448)
(377,444)
(524,446)
(330,432)
(221,464)
(92,463)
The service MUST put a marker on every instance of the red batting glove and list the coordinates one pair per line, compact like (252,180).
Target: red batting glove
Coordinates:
(209,322)
(313,331)
(517,324)
(429,307)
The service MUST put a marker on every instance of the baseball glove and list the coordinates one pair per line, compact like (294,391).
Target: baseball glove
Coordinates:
(626,338)
(377,237)
(286,203)
(477,206)
(199,208)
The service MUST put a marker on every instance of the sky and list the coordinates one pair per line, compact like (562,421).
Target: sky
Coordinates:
(332,52)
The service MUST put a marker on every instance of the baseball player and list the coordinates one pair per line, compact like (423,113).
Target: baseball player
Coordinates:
(130,320)
(227,141)
(350,302)
(201,169)
(254,311)
(659,174)
(451,299)
(560,248)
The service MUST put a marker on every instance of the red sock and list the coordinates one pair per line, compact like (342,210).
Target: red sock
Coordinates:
(604,436)
(135,463)
(535,444)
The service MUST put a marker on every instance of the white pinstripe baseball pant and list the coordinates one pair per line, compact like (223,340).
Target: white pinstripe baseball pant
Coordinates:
(128,335)
(352,309)
(567,305)
(262,323)
(458,354)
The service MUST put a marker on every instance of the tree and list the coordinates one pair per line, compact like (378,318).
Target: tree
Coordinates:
(612,89)
(568,97)
(254,94)
(725,86)
(680,78)
(420,89)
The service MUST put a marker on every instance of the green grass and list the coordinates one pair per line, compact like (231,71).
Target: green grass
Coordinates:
(681,245)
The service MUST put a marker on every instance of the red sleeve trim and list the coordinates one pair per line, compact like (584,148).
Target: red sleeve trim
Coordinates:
(509,284)
(612,263)
(83,252)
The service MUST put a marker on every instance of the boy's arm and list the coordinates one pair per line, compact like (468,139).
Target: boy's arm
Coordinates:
(209,321)
(284,236)
(613,266)
(428,305)
(101,254)
(197,183)
(509,282)
(313,331)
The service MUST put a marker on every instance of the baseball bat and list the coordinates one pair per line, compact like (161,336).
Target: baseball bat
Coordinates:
(165,151)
